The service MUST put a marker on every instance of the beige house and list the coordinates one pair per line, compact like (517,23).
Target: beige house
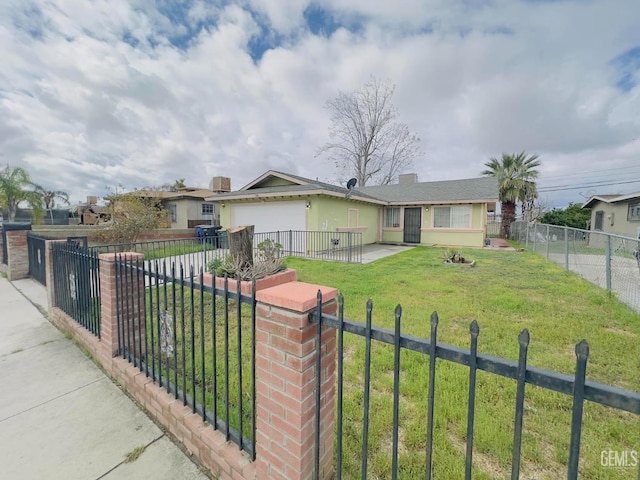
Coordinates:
(190,206)
(617,214)
(450,212)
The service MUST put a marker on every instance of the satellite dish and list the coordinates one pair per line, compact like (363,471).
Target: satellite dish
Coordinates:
(350,184)
(588,194)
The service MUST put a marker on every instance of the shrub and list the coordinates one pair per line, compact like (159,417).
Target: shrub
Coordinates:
(267,263)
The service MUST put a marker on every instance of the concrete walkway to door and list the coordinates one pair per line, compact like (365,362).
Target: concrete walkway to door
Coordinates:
(376,251)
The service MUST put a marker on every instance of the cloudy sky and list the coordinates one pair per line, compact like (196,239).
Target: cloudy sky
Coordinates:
(97,93)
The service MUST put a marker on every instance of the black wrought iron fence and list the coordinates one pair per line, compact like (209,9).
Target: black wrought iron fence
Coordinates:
(5,254)
(577,387)
(198,252)
(195,340)
(36,252)
(194,252)
(336,246)
(76,274)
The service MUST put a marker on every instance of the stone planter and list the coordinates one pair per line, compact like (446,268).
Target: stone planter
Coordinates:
(279,278)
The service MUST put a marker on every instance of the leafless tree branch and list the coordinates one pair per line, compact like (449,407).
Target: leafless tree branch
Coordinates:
(366,141)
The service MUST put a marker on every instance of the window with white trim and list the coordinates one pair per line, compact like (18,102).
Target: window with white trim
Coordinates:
(392,217)
(452,217)
(207,209)
(634,212)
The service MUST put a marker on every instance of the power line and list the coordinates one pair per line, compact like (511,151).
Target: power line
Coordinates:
(607,172)
(598,171)
(558,188)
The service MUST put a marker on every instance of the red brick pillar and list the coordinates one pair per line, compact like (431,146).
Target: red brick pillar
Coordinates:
(18,261)
(131,294)
(286,356)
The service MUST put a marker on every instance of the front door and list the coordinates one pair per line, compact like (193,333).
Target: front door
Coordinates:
(412,224)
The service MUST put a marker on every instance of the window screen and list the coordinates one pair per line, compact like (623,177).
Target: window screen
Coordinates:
(451,217)
(392,217)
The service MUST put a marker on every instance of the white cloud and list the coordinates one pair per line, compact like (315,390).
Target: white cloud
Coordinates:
(96,93)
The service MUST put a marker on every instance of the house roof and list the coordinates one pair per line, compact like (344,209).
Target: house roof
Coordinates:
(483,189)
(610,198)
(291,185)
(192,194)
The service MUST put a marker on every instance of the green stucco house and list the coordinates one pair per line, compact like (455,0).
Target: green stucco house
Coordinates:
(451,213)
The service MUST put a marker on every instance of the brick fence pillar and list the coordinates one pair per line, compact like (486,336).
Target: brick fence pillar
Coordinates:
(286,356)
(128,301)
(17,251)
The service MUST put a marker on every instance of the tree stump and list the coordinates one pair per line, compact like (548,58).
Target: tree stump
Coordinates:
(241,245)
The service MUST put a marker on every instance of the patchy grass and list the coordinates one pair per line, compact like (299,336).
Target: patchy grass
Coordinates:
(178,248)
(191,317)
(506,292)
(134,454)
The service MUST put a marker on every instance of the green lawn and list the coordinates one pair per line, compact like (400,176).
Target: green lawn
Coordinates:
(198,337)
(505,292)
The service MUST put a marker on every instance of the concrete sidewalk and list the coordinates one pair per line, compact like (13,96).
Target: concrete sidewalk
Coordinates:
(60,416)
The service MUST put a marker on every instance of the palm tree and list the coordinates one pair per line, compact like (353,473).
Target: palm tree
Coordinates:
(49,198)
(16,187)
(516,176)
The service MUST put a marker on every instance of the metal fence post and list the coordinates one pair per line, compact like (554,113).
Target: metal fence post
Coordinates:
(526,233)
(290,243)
(607,260)
(535,234)
(566,248)
(548,241)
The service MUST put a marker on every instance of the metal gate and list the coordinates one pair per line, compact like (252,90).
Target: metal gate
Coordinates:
(412,224)
(76,274)
(37,263)
(5,255)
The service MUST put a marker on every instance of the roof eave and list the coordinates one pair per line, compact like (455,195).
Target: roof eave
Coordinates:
(272,173)
(293,193)
(443,202)
(593,199)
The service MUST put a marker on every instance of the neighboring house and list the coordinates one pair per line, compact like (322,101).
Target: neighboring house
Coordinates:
(450,212)
(190,206)
(618,214)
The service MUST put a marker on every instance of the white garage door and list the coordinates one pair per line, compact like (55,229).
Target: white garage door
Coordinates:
(271,217)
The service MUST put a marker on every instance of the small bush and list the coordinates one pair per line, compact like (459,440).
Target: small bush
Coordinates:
(455,256)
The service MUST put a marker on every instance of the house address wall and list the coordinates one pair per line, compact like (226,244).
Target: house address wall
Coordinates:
(473,237)
(328,214)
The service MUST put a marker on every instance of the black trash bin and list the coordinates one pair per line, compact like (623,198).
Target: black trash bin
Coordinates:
(211,234)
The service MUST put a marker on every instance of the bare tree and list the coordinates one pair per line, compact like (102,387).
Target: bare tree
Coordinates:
(366,140)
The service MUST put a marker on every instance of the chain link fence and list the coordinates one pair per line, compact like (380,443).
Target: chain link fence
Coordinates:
(608,260)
